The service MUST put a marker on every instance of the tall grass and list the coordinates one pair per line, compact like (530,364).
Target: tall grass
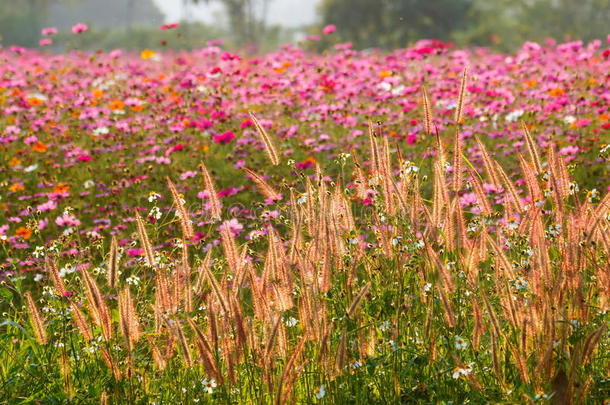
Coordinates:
(410,297)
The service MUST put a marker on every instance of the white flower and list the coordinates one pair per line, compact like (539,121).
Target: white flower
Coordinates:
(459,343)
(66,270)
(427,287)
(30,168)
(38,277)
(39,251)
(460,371)
(290,322)
(209,385)
(520,283)
(320,392)
(155,213)
(133,280)
(355,364)
(89,184)
(153,196)
(569,119)
(514,115)
(101,131)
(385,86)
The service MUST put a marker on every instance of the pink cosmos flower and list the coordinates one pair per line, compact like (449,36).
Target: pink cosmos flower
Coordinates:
(12,130)
(49,31)
(79,28)
(135,252)
(570,152)
(169,26)
(232,225)
(45,42)
(67,220)
(329,29)
(188,175)
(47,206)
(224,138)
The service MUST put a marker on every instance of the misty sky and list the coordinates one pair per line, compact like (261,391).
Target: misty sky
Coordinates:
(289,13)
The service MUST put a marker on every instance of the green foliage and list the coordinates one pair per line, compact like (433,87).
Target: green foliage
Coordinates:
(391,23)
(501,23)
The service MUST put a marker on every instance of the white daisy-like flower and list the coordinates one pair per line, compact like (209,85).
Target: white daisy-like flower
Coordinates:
(459,343)
(209,385)
(462,371)
(320,392)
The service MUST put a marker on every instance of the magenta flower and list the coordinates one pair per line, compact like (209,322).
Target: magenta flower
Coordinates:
(49,31)
(329,29)
(79,28)
(45,42)
(224,138)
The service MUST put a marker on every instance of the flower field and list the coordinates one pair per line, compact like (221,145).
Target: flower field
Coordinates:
(428,225)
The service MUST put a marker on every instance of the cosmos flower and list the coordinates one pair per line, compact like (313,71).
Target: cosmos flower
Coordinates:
(79,28)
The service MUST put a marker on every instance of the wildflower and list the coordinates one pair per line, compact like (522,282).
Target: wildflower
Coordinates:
(49,31)
(290,322)
(40,147)
(132,280)
(45,42)
(223,138)
(514,115)
(520,283)
(152,196)
(61,188)
(209,385)
(23,232)
(232,225)
(67,220)
(459,343)
(155,213)
(147,54)
(462,371)
(355,364)
(79,28)
(16,187)
(329,29)
(170,26)
(320,392)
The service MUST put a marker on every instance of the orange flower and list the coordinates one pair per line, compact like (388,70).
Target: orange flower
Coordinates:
(23,232)
(61,188)
(385,73)
(16,187)
(35,101)
(147,54)
(97,93)
(14,161)
(556,92)
(116,105)
(40,147)
(531,83)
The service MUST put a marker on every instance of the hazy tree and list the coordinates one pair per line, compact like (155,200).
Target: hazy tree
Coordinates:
(247,19)
(393,23)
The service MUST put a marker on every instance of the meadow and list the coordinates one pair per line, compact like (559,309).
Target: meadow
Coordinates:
(429,225)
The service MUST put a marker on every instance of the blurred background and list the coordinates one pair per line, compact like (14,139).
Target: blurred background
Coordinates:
(263,25)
